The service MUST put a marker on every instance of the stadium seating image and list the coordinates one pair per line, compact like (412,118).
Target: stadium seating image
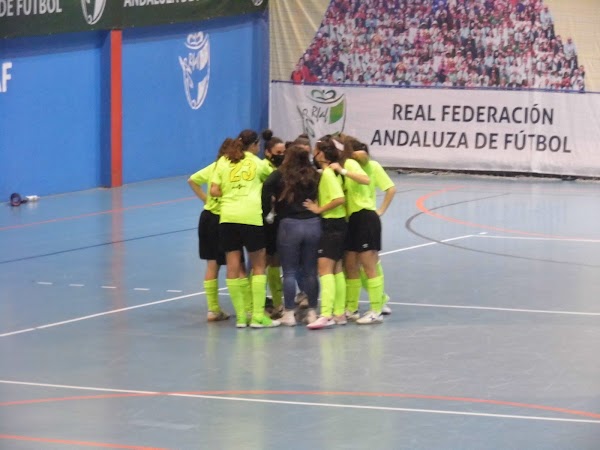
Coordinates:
(502,44)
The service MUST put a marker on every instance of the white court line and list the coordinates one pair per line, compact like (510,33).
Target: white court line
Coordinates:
(387,408)
(489,308)
(26,330)
(185,296)
(108,287)
(91,316)
(316,404)
(174,290)
(587,241)
(141,289)
(492,308)
(79,388)
(45,283)
(381,254)
(425,245)
(76,285)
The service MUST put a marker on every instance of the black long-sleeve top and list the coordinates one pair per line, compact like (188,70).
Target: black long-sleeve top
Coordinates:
(272,188)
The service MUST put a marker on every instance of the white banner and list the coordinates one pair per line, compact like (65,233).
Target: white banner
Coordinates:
(513,131)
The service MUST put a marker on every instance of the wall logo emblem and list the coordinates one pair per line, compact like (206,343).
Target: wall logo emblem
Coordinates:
(323,112)
(196,68)
(92,10)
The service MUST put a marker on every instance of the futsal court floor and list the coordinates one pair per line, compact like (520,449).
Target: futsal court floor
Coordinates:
(493,343)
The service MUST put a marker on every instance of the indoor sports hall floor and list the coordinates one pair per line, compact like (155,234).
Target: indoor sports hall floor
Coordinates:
(494,340)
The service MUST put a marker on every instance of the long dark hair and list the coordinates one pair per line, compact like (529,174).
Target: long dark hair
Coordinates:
(326,145)
(224,146)
(297,174)
(302,140)
(233,150)
(248,138)
(351,145)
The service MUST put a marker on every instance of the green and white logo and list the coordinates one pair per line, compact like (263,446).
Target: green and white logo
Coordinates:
(323,113)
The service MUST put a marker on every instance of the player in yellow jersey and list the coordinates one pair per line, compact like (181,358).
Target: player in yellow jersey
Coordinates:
(274,154)
(379,181)
(208,236)
(237,180)
(330,206)
(362,245)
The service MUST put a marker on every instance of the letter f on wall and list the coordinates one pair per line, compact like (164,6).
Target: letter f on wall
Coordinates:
(5,76)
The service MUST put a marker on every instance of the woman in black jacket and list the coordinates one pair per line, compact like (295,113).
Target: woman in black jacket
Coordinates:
(299,229)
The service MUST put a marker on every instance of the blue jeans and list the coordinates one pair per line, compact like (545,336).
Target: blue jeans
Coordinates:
(297,245)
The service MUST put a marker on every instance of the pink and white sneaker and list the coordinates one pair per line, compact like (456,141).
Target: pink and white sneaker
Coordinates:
(321,322)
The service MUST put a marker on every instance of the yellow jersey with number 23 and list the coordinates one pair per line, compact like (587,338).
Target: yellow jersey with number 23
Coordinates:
(241,187)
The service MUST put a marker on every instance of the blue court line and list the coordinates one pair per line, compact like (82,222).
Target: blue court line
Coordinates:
(95,245)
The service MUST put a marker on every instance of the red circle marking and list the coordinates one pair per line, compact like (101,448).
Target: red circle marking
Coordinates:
(315,393)
(78,443)
(420,203)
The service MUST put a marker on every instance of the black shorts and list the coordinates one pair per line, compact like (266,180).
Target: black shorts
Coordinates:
(209,246)
(364,231)
(333,238)
(271,237)
(234,236)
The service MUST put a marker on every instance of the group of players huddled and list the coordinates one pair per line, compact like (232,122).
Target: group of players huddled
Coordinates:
(309,213)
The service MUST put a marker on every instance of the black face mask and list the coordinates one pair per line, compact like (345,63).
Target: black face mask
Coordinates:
(276,160)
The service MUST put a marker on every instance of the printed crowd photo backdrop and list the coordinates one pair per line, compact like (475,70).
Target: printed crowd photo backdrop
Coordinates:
(494,85)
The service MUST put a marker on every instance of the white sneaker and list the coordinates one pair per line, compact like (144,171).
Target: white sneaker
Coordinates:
(321,322)
(264,322)
(311,316)
(370,318)
(243,322)
(352,316)
(287,318)
(385,309)
(340,320)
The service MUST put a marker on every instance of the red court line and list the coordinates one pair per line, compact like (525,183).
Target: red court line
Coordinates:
(116,108)
(316,393)
(73,398)
(98,213)
(79,443)
(420,203)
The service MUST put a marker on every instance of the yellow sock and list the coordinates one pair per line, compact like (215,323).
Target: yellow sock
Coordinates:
(339,302)
(274,281)
(327,294)
(211,287)
(352,293)
(237,299)
(259,291)
(375,289)
(247,294)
